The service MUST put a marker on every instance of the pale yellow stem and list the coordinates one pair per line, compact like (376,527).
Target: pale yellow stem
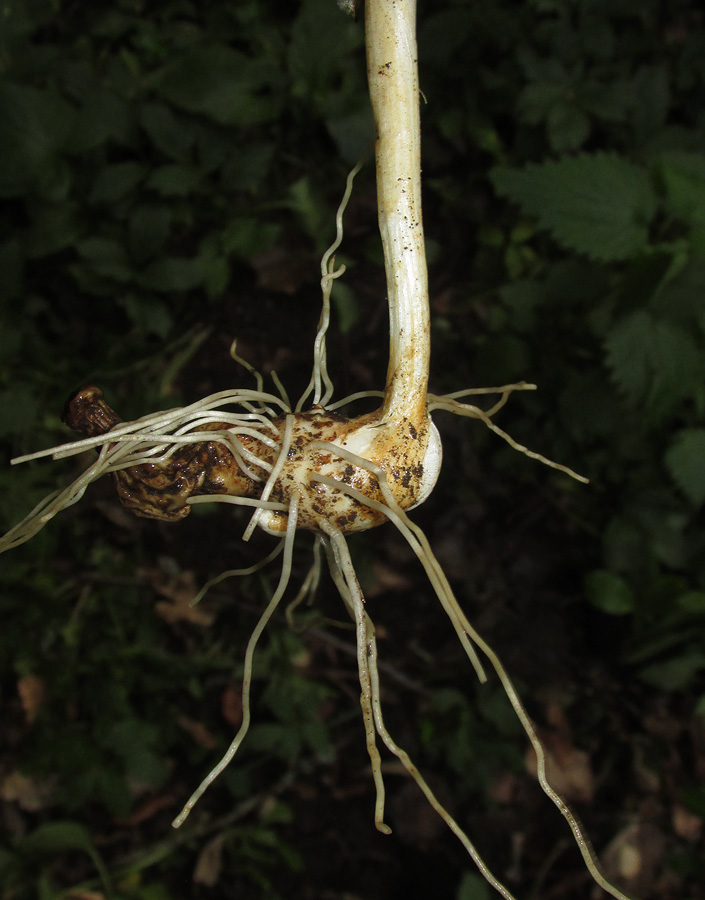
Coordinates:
(392,72)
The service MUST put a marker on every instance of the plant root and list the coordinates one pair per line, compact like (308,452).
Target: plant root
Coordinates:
(315,471)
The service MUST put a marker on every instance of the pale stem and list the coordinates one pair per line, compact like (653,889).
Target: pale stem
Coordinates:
(390,34)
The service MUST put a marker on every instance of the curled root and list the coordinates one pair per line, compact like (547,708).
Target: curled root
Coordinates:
(316,471)
(343,574)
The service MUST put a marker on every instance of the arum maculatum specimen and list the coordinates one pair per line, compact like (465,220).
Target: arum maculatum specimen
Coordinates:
(318,470)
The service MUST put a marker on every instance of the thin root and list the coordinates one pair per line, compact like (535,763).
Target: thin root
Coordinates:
(247,676)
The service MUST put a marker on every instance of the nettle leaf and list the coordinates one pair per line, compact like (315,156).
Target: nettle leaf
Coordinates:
(685,461)
(174,180)
(472,887)
(60,837)
(57,837)
(116,181)
(244,237)
(168,133)
(172,274)
(692,602)
(148,230)
(320,43)
(653,361)
(53,227)
(219,83)
(537,99)
(683,177)
(151,316)
(247,168)
(600,205)
(35,127)
(609,592)
(674,674)
(103,116)
(651,100)
(568,127)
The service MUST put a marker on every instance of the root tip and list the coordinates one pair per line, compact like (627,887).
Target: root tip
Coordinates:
(181,818)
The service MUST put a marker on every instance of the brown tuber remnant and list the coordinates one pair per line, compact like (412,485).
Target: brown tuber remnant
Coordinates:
(160,490)
(87,413)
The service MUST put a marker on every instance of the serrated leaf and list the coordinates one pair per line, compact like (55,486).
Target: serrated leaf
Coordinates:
(172,274)
(537,99)
(148,230)
(683,177)
(600,205)
(567,126)
(609,592)
(692,602)
(103,116)
(150,316)
(104,258)
(247,169)
(219,83)
(472,887)
(653,361)
(650,87)
(35,127)
(53,227)
(674,674)
(168,133)
(685,461)
(245,237)
(319,42)
(57,837)
(115,182)
(174,180)
(60,837)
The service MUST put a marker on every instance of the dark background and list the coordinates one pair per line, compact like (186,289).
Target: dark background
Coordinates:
(169,174)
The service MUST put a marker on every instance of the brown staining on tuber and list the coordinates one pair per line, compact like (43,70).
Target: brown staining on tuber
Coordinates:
(349,452)
(160,490)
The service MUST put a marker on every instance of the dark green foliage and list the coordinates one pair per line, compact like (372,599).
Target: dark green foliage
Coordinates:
(599,205)
(169,175)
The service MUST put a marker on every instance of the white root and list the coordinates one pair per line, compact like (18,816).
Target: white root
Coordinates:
(419,543)
(342,572)
(320,378)
(247,676)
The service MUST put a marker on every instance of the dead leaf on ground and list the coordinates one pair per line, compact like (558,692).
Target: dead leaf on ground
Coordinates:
(568,769)
(29,794)
(413,820)
(32,691)
(388,579)
(210,862)
(147,810)
(280,270)
(634,857)
(231,705)
(198,731)
(686,824)
(502,788)
(179,590)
